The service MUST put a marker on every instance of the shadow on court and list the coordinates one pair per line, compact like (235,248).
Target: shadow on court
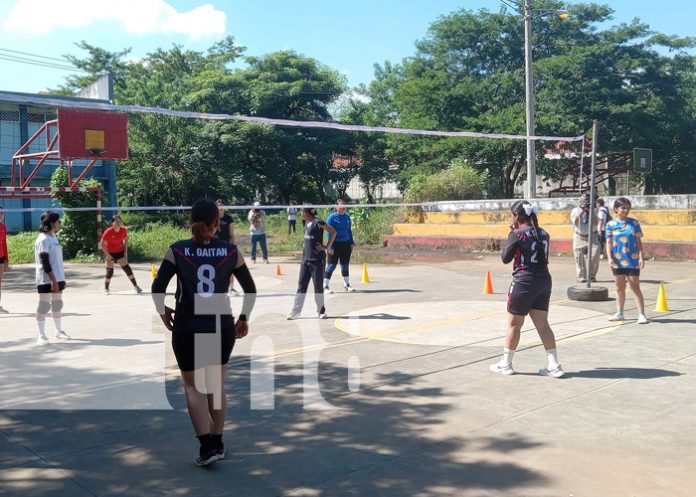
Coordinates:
(371,443)
(621,373)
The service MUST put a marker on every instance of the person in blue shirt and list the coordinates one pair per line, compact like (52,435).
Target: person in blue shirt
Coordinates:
(624,252)
(342,248)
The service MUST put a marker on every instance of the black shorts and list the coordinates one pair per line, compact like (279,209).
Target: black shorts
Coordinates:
(215,352)
(115,256)
(628,271)
(341,252)
(530,292)
(3,260)
(47,287)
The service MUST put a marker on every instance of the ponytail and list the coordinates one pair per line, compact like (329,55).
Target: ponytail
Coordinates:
(204,215)
(528,212)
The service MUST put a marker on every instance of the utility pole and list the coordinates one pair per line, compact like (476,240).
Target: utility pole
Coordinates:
(529,87)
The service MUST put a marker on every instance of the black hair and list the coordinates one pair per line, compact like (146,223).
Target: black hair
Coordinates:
(519,208)
(115,217)
(310,210)
(204,215)
(47,220)
(600,201)
(621,201)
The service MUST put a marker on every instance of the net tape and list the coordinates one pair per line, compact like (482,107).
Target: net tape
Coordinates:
(97,105)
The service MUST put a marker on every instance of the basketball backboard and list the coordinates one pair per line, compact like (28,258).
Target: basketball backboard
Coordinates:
(87,134)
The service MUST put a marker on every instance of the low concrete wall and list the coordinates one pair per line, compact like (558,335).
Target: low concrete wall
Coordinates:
(671,202)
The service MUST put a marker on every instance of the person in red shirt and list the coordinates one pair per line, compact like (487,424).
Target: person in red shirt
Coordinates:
(114,243)
(4,256)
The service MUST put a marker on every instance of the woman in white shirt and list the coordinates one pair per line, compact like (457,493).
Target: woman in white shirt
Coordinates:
(50,276)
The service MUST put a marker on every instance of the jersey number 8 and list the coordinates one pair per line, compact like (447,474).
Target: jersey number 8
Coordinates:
(206,281)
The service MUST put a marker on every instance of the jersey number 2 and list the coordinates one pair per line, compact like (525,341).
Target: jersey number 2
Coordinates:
(535,254)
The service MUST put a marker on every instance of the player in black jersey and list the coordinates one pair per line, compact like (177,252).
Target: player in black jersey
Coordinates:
(313,260)
(204,330)
(530,291)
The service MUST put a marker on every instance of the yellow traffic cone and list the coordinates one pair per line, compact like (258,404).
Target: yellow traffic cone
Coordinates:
(365,276)
(153,271)
(661,304)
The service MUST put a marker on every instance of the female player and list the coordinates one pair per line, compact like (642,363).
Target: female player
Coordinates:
(342,248)
(530,290)
(4,256)
(312,265)
(624,252)
(50,276)
(204,330)
(114,243)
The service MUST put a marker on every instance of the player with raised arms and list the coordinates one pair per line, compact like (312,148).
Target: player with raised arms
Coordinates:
(530,291)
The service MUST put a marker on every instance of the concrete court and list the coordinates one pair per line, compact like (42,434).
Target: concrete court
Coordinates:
(407,405)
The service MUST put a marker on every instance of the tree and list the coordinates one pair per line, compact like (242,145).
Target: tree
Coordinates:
(467,74)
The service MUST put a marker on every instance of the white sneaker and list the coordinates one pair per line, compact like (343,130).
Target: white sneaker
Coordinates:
(3,310)
(42,340)
(348,288)
(61,335)
(557,372)
(642,319)
(107,291)
(322,315)
(292,315)
(138,290)
(500,369)
(617,317)
(327,290)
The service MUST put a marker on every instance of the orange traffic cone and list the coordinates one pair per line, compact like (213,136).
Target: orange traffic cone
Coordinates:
(278,271)
(488,285)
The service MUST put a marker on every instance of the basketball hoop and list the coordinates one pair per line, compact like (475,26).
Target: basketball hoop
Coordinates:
(98,152)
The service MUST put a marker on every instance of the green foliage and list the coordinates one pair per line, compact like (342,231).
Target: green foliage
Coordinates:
(151,242)
(371,224)
(458,182)
(21,247)
(78,231)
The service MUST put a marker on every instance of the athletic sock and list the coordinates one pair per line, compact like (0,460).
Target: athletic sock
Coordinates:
(507,357)
(206,443)
(106,285)
(216,440)
(42,327)
(135,283)
(346,280)
(57,323)
(326,282)
(552,356)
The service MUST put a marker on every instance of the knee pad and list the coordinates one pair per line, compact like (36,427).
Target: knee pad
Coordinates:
(109,273)
(57,305)
(345,269)
(44,307)
(127,269)
(330,268)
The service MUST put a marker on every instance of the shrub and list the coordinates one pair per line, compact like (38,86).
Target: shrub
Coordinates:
(458,182)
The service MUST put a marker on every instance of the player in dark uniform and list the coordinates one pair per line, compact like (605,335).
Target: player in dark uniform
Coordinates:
(313,260)
(204,330)
(530,290)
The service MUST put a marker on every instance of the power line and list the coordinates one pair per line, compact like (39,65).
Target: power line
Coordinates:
(31,54)
(40,63)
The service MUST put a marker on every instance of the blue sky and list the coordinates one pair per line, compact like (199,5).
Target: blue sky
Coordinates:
(349,36)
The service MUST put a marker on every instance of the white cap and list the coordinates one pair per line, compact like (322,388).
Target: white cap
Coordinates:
(256,204)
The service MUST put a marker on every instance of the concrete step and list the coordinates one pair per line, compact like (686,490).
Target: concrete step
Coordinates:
(657,249)
(675,233)
(646,217)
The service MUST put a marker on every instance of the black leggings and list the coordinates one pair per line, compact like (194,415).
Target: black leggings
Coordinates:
(310,270)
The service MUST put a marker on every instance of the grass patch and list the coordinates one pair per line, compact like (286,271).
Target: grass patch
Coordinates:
(149,238)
